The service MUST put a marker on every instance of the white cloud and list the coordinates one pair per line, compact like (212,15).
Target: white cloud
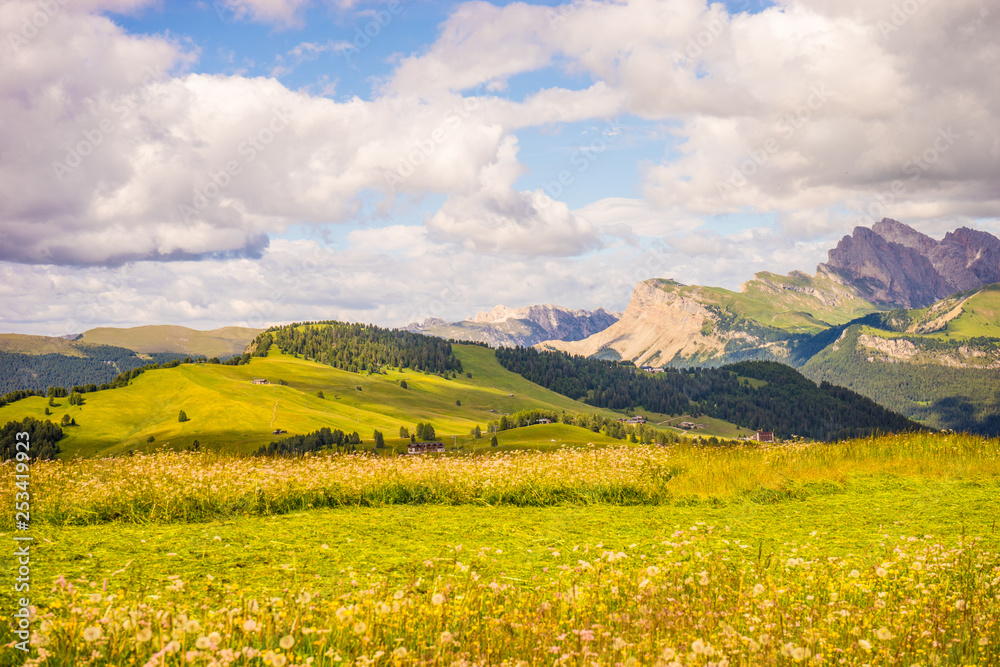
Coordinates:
(496,218)
(809,112)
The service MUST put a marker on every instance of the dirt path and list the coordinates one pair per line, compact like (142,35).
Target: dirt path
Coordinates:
(275,413)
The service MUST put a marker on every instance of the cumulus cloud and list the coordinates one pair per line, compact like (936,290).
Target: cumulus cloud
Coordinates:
(821,114)
(497,218)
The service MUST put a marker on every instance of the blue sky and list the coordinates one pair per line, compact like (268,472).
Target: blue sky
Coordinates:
(419,159)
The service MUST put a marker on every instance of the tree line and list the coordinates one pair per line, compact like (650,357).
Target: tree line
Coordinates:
(324,438)
(358,348)
(43,439)
(783,401)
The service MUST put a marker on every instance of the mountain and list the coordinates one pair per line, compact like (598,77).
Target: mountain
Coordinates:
(670,324)
(903,319)
(940,365)
(893,265)
(507,327)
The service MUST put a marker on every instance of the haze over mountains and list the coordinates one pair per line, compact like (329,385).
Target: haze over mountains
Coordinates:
(507,327)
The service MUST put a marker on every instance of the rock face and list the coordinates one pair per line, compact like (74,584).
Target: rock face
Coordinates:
(558,322)
(892,264)
(658,327)
(526,326)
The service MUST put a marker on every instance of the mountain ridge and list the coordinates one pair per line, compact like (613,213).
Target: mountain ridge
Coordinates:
(528,325)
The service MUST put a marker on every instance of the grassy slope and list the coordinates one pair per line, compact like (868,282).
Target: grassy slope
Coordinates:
(226,411)
(24,344)
(980,317)
(167,338)
(780,302)
(963,399)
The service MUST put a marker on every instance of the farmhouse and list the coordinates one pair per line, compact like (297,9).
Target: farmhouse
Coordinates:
(279,431)
(763,436)
(258,381)
(424,447)
(638,419)
(543,420)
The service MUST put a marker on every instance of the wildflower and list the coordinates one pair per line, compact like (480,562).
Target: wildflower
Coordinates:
(960,605)
(400,652)
(172,647)
(447,637)
(697,646)
(758,589)
(360,627)
(249,625)
(854,574)
(215,638)
(799,653)
(202,643)
(883,634)
(287,642)
(703,578)
(192,626)
(865,644)
(880,572)
(279,660)
(983,641)
(917,566)
(144,635)
(652,570)
(437,600)
(669,654)
(619,643)
(95,597)
(91,634)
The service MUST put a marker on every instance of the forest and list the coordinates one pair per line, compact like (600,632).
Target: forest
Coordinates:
(100,364)
(312,442)
(753,394)
(43,439)
(962,399)
(359,348)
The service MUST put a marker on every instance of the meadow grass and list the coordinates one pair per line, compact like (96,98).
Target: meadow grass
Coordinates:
(182,486)
(228,413)
(881,551)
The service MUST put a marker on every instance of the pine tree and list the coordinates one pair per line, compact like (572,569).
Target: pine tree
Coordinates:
(181,417)
(493,441)
(379,440)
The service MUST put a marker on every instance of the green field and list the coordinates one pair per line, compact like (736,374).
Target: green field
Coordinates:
(172,338)
(226,411)
(870,552)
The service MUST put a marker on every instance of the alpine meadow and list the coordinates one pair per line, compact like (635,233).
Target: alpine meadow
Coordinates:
(548,333)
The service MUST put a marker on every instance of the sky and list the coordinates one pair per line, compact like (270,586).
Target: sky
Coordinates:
(256,162)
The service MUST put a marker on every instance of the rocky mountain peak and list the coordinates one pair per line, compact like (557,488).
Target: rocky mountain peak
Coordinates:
(895,265)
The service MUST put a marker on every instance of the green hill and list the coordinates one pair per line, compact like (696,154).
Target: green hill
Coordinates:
(181,340)
(226,411)
(939,364)
(25,344)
